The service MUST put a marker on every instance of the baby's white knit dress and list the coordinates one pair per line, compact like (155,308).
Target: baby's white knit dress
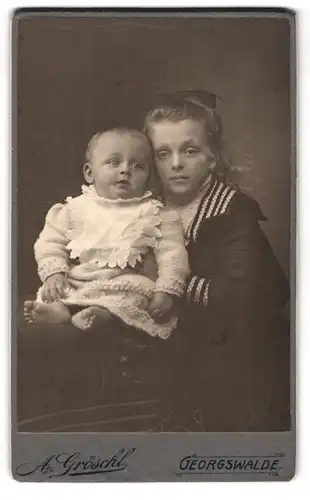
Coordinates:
(97,241)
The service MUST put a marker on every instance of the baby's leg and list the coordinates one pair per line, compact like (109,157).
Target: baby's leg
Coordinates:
(91,317)
(54,313)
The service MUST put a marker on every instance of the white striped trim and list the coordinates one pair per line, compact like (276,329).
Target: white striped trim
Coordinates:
(198,290)
(205,299)
(229,197)
(222,198)
(202,211)
(215,203)
(209,213)
(190,287)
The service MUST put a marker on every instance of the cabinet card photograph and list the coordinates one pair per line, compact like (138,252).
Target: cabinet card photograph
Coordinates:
(153,232)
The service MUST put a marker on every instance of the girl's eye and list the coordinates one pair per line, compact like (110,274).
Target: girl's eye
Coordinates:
(162,154)
(190,151)
(138,166)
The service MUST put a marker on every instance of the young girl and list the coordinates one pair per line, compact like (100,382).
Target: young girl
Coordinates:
(234,362)
(95,252)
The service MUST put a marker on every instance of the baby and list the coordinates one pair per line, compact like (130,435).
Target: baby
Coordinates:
(95,252)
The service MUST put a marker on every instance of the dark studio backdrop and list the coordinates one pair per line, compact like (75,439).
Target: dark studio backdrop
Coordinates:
(76,76)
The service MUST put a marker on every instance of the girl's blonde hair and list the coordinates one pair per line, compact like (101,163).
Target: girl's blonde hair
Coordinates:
(189,107)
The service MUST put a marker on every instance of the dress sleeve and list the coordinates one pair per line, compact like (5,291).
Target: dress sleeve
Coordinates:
(171,255)
(50,249)
(248,275)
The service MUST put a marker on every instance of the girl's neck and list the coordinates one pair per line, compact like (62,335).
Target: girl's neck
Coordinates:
(180,200)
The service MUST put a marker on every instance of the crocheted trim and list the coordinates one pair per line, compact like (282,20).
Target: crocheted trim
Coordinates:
(51,266)
(96,289)
(173,287)
(140,319)
(91,191)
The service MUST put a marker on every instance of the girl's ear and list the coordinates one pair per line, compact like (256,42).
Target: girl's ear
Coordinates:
(88,175)
(212,162)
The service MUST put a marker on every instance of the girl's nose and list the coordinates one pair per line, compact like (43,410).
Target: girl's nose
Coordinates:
(176,161)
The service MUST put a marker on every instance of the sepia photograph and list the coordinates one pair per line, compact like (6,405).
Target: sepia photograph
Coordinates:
(154,199)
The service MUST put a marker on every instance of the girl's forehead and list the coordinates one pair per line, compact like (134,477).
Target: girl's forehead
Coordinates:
(175,132)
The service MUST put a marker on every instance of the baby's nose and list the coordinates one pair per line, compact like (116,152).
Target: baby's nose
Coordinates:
(125,168)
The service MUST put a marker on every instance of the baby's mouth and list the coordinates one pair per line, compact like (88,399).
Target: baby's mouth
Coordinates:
(123,183)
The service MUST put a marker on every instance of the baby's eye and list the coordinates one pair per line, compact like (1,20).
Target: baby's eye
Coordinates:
(113,161)
(190,151)
(162,154)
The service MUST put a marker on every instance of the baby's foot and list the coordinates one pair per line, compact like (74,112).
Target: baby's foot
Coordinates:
(91,317)
(102,315)
(29,307)
(84,319)
(56,313)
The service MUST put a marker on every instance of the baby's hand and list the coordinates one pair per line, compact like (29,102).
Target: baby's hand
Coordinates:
(160,306)
(54,287)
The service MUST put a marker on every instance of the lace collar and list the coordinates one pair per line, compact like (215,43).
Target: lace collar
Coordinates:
(92,193)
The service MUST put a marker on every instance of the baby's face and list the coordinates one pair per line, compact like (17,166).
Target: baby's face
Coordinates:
(120,165)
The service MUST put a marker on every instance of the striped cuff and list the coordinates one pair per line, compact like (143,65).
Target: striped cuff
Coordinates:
(198,290)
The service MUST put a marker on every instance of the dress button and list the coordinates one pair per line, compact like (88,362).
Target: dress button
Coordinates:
(124,374)
(123,359)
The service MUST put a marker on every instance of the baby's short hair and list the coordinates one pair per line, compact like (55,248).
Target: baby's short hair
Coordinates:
(117,130)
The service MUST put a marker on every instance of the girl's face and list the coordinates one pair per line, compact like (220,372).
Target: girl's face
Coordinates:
(119,166)
(182,157)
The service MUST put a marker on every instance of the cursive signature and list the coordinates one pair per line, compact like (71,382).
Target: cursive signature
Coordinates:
(73,464)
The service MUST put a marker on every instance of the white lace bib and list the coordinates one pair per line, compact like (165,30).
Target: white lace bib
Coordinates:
(112,232)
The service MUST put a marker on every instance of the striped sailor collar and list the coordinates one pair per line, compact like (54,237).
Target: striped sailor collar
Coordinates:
(215,202)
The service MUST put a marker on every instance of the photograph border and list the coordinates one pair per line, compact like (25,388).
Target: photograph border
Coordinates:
(145,456)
